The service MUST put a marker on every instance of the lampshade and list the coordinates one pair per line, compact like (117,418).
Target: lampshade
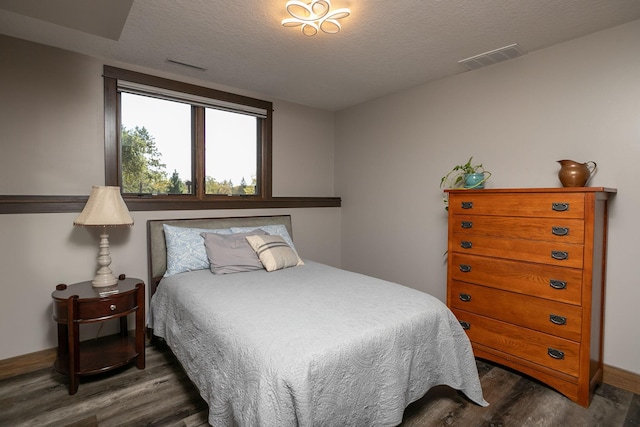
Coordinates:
(104,207)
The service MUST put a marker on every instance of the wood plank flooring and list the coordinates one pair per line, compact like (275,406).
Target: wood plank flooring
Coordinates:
(162,395)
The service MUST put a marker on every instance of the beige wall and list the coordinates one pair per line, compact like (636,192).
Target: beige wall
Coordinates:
(51,117)
(52,120)
(302,158)
(579,100)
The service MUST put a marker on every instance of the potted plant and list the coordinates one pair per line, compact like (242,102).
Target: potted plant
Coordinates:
(467,175)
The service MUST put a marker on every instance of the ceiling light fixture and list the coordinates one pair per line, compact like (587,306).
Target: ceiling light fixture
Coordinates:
(314,16)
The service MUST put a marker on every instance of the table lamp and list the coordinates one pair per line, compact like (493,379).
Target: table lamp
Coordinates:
(105,208)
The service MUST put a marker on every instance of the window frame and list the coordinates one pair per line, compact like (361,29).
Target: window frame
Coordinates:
(113,159)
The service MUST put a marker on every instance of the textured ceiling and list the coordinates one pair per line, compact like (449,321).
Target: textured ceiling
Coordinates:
(384,46)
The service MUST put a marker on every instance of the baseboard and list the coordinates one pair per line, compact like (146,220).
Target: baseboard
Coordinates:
(27,363)
(43,359)
(622,379)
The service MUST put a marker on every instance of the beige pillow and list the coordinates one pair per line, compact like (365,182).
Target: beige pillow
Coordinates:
(274,252)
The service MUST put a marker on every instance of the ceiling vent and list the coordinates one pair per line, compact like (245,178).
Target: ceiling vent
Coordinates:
(493,57)
(185,64)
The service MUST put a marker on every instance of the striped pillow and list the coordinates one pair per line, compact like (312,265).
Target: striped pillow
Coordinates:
(274,252)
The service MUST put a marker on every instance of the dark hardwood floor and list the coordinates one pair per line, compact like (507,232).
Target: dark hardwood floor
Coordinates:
(161,395)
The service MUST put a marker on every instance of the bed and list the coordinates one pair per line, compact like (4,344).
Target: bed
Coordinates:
(304,345)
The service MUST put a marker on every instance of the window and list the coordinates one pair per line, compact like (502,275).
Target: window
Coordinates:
(170,140)
(155,145)
(203,154)
(230,153)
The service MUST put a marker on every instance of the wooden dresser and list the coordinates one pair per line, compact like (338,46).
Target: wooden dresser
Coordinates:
(526,275)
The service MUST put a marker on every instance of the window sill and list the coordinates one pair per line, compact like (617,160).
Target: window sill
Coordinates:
(64,204)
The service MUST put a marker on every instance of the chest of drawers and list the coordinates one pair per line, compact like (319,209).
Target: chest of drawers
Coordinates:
(526,276)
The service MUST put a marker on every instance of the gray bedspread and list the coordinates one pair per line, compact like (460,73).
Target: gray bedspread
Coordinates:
(310,345)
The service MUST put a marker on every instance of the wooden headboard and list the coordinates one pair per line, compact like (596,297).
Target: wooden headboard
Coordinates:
(157,248)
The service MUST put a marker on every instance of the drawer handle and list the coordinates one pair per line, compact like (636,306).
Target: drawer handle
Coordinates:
(559,255)
(465,297)
(465,268)
(465,244)
(467,224)
(558,284)
(465,325)
(556,354)
(560,231)
(560,207)
(557,320)
(112,307)
(467,205)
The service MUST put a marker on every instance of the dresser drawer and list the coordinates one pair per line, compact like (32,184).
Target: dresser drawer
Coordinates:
(553,352)
(560,230)
(559,254)
(543,205)
(544,281)
(555,318)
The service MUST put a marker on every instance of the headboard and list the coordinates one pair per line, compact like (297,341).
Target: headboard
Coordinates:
(157,248)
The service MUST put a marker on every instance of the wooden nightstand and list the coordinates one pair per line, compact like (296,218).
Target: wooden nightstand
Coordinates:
(82,303)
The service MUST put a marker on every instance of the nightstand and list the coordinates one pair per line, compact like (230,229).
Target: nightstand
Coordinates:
(81,303)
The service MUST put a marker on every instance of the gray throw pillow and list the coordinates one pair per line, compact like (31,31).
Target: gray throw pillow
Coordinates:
(231,253)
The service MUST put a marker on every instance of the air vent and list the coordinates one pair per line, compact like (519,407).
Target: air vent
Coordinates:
(184,64)
(493,57)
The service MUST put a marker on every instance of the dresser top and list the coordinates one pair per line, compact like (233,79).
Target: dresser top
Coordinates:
(536,190)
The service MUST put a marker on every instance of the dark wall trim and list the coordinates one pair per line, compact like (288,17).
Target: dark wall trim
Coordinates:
(64,204)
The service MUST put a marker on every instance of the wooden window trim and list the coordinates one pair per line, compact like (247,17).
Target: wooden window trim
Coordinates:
(23,204)
(111,119)
(65,204)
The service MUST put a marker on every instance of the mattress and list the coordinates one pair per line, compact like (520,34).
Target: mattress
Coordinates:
(310,345)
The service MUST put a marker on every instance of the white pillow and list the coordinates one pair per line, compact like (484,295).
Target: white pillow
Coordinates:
(274,252)
(185,248)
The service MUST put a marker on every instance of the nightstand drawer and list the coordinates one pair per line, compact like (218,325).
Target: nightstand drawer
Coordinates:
(546,350)
(544,281)
(105,308)
(555,318)
(560,254)
(561,230)
(542,205)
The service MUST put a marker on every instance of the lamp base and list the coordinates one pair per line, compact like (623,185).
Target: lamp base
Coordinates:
(104,280)
(104,276)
